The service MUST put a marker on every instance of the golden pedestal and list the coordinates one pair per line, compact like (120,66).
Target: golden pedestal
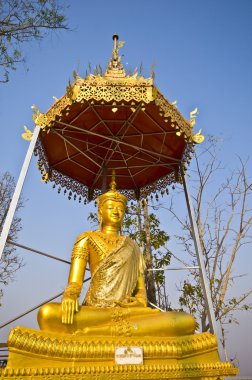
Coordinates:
(44,355)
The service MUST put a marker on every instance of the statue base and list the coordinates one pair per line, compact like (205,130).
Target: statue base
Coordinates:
(44,355)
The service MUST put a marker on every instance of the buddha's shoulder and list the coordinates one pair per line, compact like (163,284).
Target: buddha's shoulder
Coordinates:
(85,236)
(132,242)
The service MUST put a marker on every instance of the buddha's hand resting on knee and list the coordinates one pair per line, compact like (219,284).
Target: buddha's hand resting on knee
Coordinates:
(69,303)
(132,302)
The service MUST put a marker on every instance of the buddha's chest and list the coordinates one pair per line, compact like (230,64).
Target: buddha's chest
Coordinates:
(100,246)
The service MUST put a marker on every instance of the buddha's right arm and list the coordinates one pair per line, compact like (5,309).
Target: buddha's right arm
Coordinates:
(75,280)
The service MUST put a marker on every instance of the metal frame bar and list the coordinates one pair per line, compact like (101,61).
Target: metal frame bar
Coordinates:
(37,251)
(36,307)
(18,189)
(203,275)
(175,268)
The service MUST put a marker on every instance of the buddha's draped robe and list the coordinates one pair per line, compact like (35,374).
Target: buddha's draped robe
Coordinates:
(115,277)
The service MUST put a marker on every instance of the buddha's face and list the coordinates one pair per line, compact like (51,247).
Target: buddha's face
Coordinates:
(112,213)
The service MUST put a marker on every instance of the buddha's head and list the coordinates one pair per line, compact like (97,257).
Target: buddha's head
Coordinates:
(111,207)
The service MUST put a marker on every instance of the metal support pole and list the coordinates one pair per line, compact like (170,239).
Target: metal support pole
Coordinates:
(17,192)
(202,269)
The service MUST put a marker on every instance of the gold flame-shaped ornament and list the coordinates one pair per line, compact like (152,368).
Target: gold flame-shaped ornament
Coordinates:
(193,115)
(198,138)
(27,135)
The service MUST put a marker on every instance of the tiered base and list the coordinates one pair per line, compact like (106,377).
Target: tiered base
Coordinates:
(44,355)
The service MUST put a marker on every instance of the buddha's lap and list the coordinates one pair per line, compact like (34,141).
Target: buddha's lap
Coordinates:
(181,323)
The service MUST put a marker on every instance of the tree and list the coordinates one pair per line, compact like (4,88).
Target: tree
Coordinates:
(10,261)
(144,228)
(224,219)
(23,21)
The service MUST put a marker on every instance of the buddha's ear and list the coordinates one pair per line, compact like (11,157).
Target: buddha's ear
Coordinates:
(99,213)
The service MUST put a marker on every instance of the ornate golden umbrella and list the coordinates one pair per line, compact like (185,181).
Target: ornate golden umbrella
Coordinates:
(113,121)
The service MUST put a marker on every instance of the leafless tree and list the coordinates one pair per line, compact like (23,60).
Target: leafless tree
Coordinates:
(223,208)
(10,261)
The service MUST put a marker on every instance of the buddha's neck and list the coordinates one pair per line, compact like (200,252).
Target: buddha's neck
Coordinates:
(110,230)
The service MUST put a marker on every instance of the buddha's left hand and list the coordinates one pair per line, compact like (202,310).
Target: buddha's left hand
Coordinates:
(132,302)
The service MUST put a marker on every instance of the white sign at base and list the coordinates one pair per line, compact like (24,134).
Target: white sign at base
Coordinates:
(129,355)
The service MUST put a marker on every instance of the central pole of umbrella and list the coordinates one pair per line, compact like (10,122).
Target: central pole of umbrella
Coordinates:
(104,179)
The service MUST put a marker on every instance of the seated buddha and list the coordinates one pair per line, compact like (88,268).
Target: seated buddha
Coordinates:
(116,301)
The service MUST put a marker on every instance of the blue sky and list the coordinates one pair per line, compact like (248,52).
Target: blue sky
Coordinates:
(202,52)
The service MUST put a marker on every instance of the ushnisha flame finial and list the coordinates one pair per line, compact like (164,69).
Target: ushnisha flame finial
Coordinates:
(112,194)
(112,185)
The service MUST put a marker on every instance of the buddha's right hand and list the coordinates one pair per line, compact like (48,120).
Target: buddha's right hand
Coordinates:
(69,303)
(69,306)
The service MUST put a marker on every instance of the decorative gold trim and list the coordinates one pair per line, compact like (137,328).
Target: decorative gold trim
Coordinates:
(169,110)
(47,355)
(47,344)
(202,371)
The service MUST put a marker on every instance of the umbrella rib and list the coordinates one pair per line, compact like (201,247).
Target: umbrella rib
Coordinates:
(65,159)
(101,121)
(122,142)
(150,117)
(77,117)
(77,154)
(83,167)
(127,166)
(85,155)
(154,121)
(145,166)
(149,134)
(132,116)
(161,149)
(108,156)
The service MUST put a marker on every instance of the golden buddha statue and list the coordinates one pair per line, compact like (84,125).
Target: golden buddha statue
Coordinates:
(82,342)
(116,302)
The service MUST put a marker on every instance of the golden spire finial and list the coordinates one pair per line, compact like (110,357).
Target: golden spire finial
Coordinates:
(115,50)
(115,68)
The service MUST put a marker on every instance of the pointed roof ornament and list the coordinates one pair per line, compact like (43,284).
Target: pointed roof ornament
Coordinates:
(115,68)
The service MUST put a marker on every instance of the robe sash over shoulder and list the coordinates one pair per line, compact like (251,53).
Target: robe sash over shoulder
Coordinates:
(116,276)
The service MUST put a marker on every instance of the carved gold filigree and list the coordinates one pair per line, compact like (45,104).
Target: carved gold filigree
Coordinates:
(47,344)
(169,110)
(43,355)
(205,371)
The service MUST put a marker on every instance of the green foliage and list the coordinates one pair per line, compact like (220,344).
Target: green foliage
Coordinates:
(134,227)
(23,21)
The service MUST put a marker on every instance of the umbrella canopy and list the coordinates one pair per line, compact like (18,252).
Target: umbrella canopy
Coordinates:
(113,121)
